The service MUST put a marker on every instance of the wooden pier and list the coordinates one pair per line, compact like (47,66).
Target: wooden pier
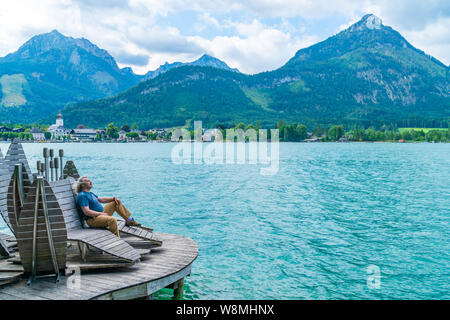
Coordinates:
(53,255)
(165,267)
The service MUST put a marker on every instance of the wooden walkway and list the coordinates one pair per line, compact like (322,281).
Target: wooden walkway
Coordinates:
(164,267)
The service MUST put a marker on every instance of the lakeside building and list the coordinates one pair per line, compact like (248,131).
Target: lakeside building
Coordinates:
(210,135)
(57,130)
(160,132)
(122,135)
(37,134)
(84,134)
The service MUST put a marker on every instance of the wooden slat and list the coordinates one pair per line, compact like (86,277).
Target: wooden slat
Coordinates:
(162,269)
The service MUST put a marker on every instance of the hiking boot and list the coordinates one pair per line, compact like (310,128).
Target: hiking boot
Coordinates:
(132,223)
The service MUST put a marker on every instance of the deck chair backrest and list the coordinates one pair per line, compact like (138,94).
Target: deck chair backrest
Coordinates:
(70,170)
(13,199)
(24,234)
(5,178)
(16,154)
(66,198)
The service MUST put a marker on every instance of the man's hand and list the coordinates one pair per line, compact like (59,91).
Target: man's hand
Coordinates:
(117,200)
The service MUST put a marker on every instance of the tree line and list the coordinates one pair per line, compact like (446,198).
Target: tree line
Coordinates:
(295,132)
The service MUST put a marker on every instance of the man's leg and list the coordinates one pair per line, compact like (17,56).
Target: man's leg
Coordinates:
(104,221)
(121,210)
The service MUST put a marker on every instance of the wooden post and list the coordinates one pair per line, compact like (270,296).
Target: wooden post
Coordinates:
(56,165)
(178,290)
(51,169)
(43,169)
(83,250)
(61,167)
(52,153)
(46,156)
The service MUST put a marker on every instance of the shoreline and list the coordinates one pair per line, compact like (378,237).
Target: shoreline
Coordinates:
(308,142)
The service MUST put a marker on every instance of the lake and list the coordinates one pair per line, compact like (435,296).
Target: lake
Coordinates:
(334,216)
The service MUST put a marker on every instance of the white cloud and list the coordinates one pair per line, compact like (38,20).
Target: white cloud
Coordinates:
(434,39)
(255,45)
(129,30)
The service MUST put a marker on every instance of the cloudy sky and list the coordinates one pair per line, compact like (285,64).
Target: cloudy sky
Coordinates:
(253,36)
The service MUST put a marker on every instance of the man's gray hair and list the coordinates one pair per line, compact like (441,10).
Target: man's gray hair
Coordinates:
(77,185)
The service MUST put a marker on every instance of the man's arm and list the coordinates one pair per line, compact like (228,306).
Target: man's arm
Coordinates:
(91,213)
(105,199)
(109,199)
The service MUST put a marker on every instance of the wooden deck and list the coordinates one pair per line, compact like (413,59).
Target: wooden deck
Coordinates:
(163,267)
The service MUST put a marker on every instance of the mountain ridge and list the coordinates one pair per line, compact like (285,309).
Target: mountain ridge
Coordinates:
(366,73)
(51,70)
(204,61)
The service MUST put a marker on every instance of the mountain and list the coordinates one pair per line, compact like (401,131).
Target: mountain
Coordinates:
(367,74)
(204,61)
(51,70)
(173,98)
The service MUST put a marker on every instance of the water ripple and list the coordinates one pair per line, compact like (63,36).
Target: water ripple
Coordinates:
(309,232)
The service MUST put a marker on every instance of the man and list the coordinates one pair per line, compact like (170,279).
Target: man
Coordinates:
(95,214)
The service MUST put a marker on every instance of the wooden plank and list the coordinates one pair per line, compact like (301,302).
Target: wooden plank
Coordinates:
(8,266)
(92,265)
(152,286)
(162,269)
(9,277)
(92,238)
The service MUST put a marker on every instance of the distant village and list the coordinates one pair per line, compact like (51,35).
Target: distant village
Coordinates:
(287,133)
(58,133)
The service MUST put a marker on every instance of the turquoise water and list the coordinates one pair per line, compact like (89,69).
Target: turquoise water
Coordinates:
(308,232)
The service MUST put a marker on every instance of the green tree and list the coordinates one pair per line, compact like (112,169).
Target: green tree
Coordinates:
(335,132)
(47,135)
(112,131)
(132,135)
(301,132)
(407,135)
(152,135)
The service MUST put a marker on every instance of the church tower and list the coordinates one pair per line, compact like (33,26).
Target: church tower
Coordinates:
(59,120)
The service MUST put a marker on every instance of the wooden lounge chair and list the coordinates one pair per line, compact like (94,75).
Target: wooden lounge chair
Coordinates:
(63,197)
(100,239)
(142,232)
(57,199)
(66,198)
